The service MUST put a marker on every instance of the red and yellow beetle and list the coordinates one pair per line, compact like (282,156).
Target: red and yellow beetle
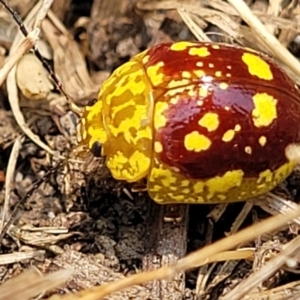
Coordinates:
(203,122)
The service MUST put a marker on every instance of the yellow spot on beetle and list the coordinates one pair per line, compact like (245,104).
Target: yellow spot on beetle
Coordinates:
(180,46)
(191,93)
(174,100)
(155,73)
(218,74)
(224,183)
(117,108)
(185,182)
(164,175)
(134,121)
(139,161)
(197,142)
(264,112)
(248,150)
(265,176)
(203,92)
(199,64)
(210,121)
(156,188)
(223,85)
(118,158)
(177,83)
(228,135)
(186,74)
(159,119)
(96,131)
(199,73)
(200,51)
(173,92)
(198,187)
(177,198)
(211,65)
(132,83)
(257,66)
(131,169)
(145,133)
(158,147)
(215,46)
(262,140)
(145,59)
(237,127)
(222,197)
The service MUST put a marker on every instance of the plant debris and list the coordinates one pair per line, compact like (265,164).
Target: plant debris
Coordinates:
(84,232)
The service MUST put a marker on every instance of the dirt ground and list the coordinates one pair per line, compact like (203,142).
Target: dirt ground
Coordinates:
(81,217)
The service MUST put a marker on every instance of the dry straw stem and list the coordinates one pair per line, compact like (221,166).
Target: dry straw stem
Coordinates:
(263,34)
(192,260)
(42,13)
(31,283)
(281,292)
(10,176)
(223,15)
(193,26)
(291,249)
(69,63)
(12,89)
(273,204)
(12,258)
(25,46)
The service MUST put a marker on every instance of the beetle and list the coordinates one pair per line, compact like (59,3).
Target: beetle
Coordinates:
(203,122)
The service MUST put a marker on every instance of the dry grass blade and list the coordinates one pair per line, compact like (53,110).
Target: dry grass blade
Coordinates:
(30,284)
(194,28)
(281,292)
(11,258)
(69,63)
(12,88)
(223,16)
(291,249)
(267,39)
(25,46)
(42,13)
(10,177)
(274,204)
(192,260)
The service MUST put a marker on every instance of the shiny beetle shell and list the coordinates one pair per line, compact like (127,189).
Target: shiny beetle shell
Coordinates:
(204,123)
